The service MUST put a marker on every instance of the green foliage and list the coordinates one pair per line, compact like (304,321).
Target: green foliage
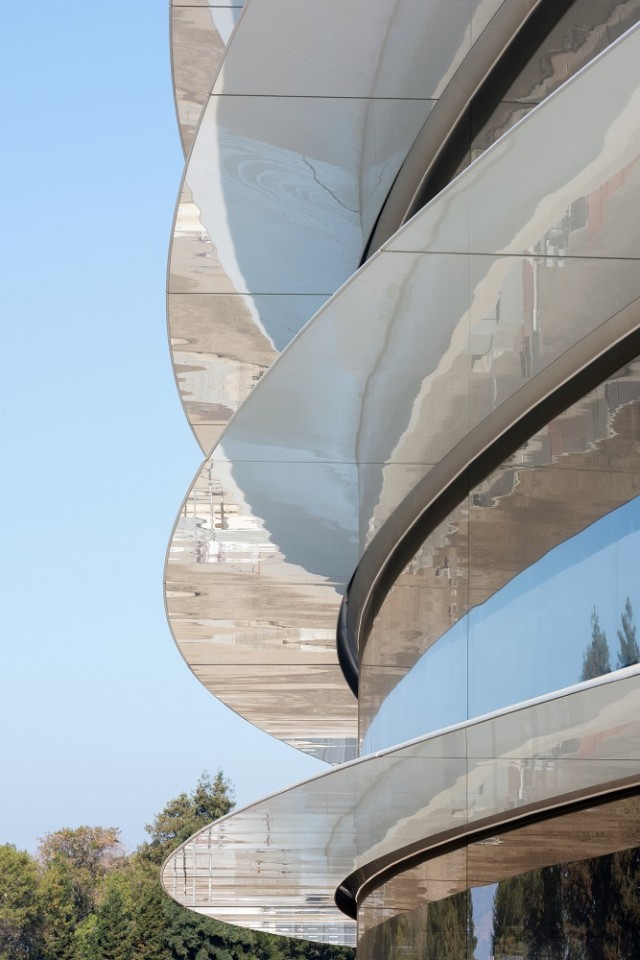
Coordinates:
(449,928)
(182,817)
(111,935)
(441,930)
(596,660)
(20,915)
(84,900)
(75,864)
(628,651)
(528,917)
(94,850)
(508,924)
(585,910)
(66,900)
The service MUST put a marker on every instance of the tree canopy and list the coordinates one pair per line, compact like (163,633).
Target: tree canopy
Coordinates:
(20,912)
(211,799)
(83,898)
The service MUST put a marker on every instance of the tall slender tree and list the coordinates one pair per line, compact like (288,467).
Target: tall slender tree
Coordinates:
(111,936)
(596,659)
(628,651)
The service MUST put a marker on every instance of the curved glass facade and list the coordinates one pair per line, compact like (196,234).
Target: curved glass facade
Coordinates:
(294,156)
(427,342)
(515,594)
(352,419)
(277,864)
(563,887)
(525,62)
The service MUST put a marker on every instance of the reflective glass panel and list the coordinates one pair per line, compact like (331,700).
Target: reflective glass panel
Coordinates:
(276,864)
(528,587)
(564,887)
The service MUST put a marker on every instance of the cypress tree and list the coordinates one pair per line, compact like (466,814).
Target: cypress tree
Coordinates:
(596,660)
(628,651)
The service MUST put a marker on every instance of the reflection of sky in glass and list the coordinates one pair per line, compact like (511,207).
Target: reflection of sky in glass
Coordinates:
(482,907)
(526,640)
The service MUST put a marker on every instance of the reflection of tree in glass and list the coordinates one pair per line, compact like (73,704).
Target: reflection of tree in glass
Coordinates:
(628,652)
(596,656)
(442,930)
(527,916)
(586,910)
(450,931)
(508,938)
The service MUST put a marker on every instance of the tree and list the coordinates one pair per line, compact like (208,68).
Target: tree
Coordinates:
(182,817)
(111,934)
(85,900)
(596,657)
(74,862)
(148,903)
(628,651)
(508,937)
(20,916)
(450,929)
(97,850)
(66,901)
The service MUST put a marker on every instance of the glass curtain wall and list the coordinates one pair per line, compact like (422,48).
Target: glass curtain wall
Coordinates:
(565,887)
(529,586)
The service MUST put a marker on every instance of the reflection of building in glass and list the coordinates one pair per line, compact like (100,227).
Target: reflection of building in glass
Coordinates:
(413,547)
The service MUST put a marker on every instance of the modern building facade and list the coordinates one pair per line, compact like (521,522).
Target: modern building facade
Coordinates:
(404,312)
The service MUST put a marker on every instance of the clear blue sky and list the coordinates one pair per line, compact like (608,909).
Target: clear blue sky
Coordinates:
(100,720)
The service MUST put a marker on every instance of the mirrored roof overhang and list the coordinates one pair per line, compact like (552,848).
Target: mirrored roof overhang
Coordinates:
(294,157)
(422,345)
(530,51)
(276,866)
(199,34)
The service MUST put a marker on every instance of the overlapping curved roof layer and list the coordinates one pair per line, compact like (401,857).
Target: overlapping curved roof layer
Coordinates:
(199,35)
(290,166)
(433,347)
(276,866)
(299,142)
(395,371)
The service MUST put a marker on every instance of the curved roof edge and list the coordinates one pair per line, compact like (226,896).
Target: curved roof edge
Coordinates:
(567,379)
(198,35)
(336,183)
(276,865)
(307,525)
